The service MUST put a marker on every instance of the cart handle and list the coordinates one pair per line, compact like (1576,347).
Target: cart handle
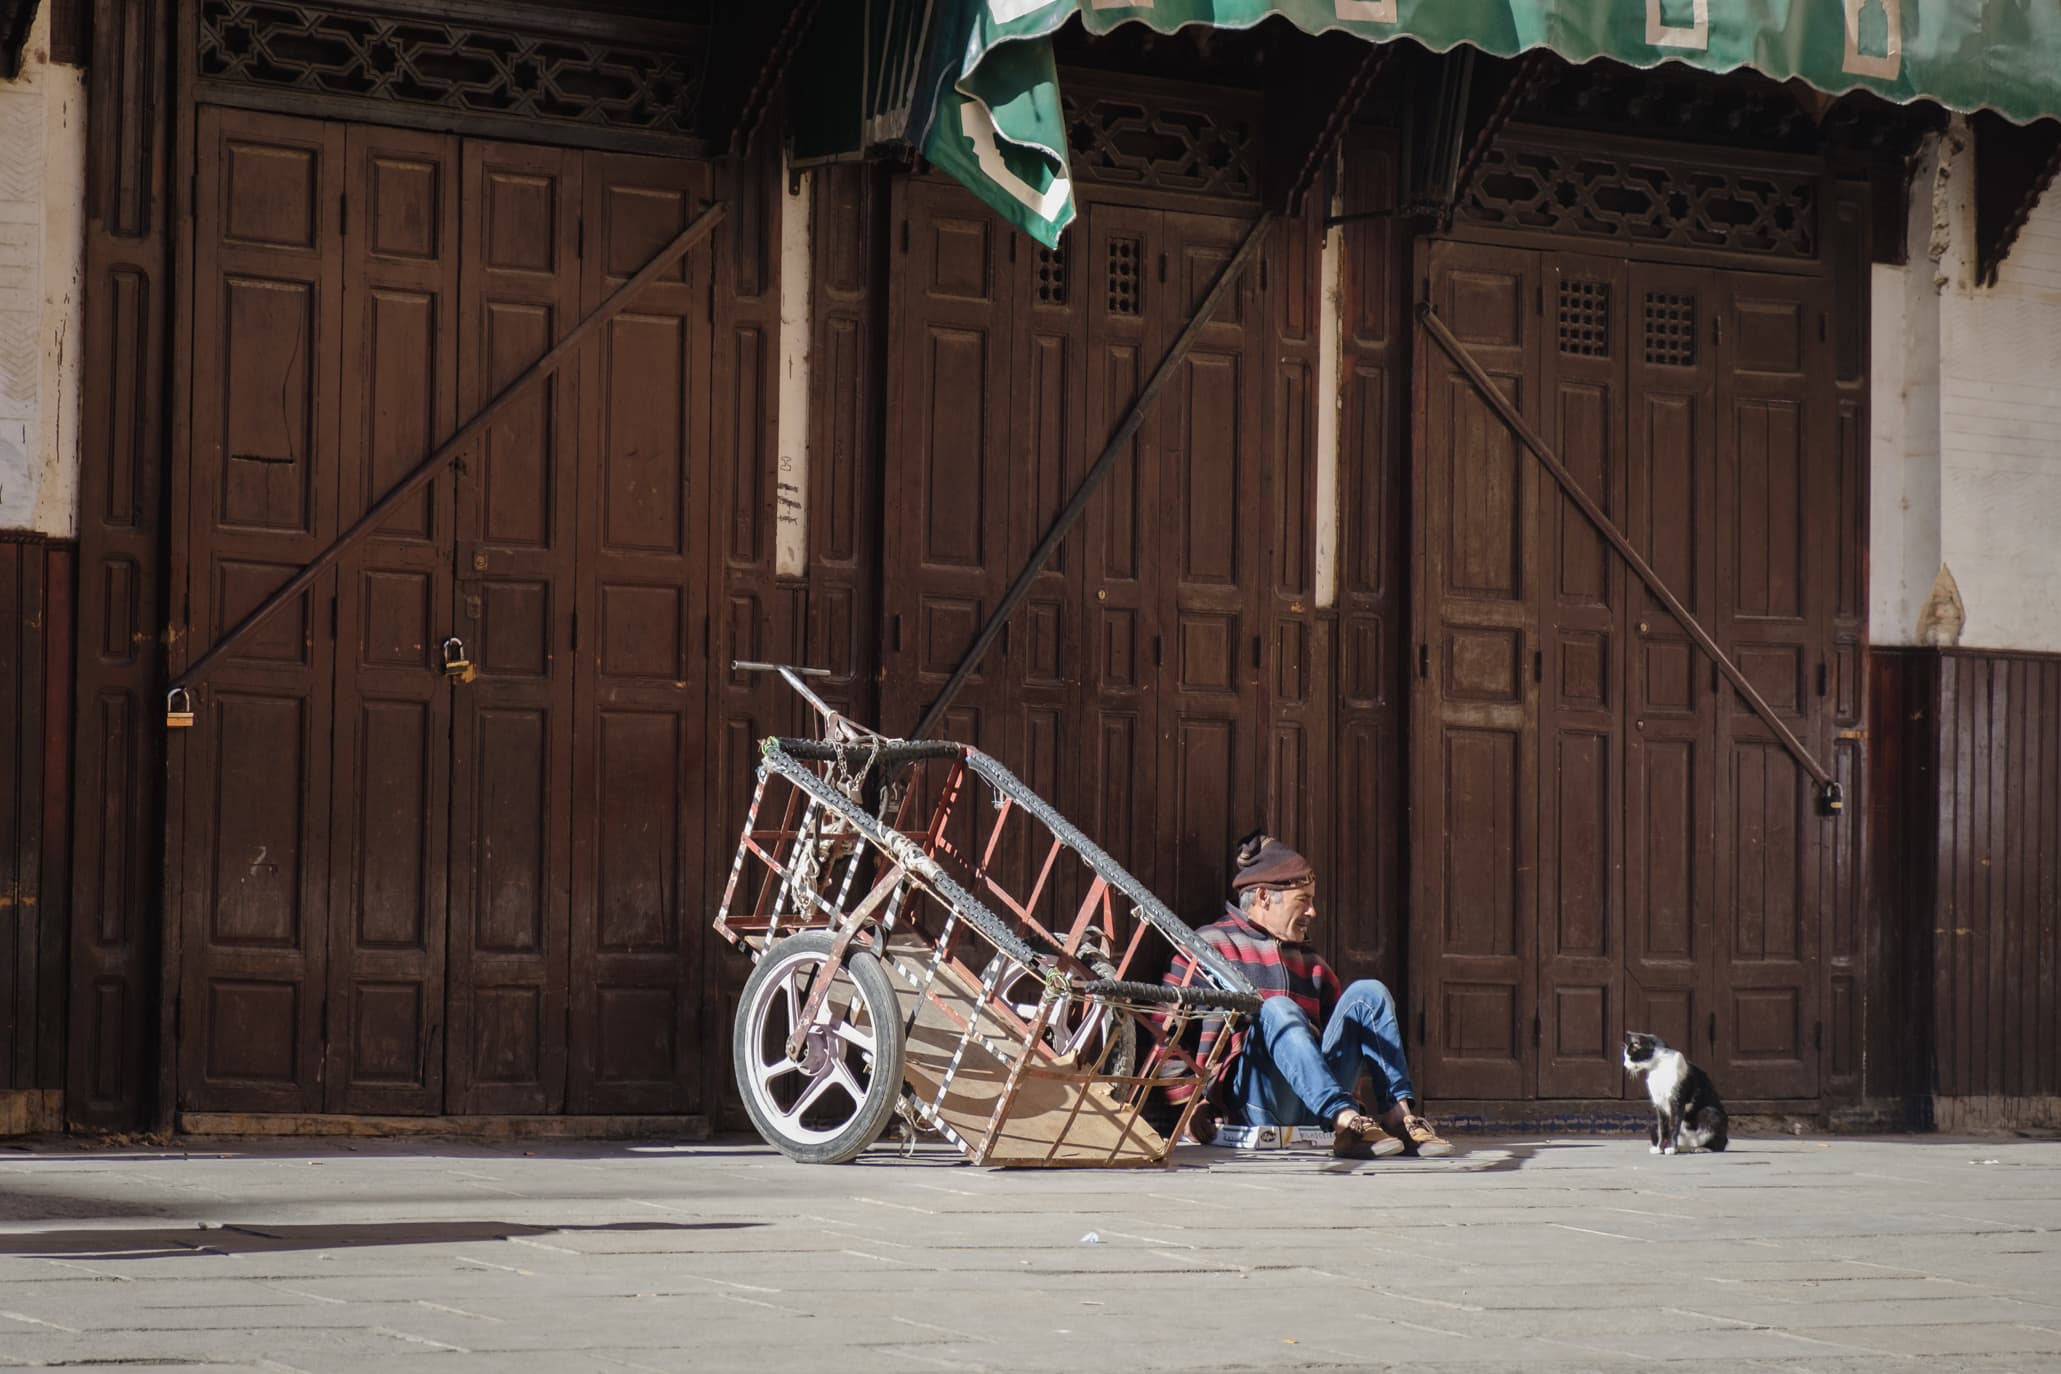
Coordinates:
(836,726)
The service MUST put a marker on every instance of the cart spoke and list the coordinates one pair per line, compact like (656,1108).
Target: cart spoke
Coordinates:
(776,1069)
(860,1037)
(836,1078)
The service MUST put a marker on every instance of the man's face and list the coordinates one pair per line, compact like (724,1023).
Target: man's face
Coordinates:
(1286,913)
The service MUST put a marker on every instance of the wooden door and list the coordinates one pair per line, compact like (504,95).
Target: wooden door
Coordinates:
(512,726)
(641,682)
(1474,771)
(252,781)
(1605,836)
(389,804)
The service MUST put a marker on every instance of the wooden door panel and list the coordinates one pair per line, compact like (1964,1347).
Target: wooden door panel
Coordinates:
(1121,607)
(948,538)
(1212,567)
(1579,672)
(254,777)
(1777,512)
(642,694)
(1045,641)
(512,731)
(1475,775)
(390,813)
(1673,833)
(1369,774)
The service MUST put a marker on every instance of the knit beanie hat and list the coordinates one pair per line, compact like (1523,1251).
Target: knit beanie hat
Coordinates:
(1263,861)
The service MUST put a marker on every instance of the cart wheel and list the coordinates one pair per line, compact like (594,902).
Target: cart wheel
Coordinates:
(837,1100)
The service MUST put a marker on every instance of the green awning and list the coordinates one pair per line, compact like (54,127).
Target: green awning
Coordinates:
(986,105)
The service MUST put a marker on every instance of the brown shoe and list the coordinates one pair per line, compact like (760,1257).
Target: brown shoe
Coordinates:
(1363,1138)
(1424,1141)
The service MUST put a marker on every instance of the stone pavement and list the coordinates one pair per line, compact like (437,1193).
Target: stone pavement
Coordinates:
(1839,1254)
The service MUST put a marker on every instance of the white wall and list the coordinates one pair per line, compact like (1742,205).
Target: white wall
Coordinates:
(1966,458)
(42,228)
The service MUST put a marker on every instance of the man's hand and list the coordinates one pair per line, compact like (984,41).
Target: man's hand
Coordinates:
(1203,1125)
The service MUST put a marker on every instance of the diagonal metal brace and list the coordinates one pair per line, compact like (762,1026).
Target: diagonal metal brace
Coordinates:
(1831,798)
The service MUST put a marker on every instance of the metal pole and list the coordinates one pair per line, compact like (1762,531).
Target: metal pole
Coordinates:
(1118,442)
(1830,795)
(697,230)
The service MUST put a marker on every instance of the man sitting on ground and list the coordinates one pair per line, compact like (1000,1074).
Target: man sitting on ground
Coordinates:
(1282,1069)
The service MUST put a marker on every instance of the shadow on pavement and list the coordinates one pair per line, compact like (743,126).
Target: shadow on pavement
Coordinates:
(162,1242)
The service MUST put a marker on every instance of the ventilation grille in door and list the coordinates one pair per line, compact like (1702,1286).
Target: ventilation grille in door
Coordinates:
(1052,276)
(1124,296)
(1585,318)
(1670,329)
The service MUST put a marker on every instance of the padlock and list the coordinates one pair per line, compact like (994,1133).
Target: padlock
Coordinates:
(456,664)
(178,709)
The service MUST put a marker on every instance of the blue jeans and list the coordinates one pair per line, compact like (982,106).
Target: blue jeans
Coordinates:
(1286,1077)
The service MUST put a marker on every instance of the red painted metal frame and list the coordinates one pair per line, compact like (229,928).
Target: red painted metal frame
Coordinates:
(809,848)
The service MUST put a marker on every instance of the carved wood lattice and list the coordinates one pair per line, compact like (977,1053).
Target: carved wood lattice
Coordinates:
(1159,142)
(1625,196)
(508,71)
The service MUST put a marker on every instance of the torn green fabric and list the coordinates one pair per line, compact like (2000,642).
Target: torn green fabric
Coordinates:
(989,104)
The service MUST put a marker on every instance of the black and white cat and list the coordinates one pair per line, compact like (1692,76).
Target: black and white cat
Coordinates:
(1686,1112)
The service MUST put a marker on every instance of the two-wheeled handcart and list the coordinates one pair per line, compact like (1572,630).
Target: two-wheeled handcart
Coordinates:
(931,937)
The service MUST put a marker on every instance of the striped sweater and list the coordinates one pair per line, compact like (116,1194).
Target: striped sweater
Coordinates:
(1275,969)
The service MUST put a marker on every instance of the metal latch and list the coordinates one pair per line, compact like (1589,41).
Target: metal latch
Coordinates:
(456,664)
(178,709)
